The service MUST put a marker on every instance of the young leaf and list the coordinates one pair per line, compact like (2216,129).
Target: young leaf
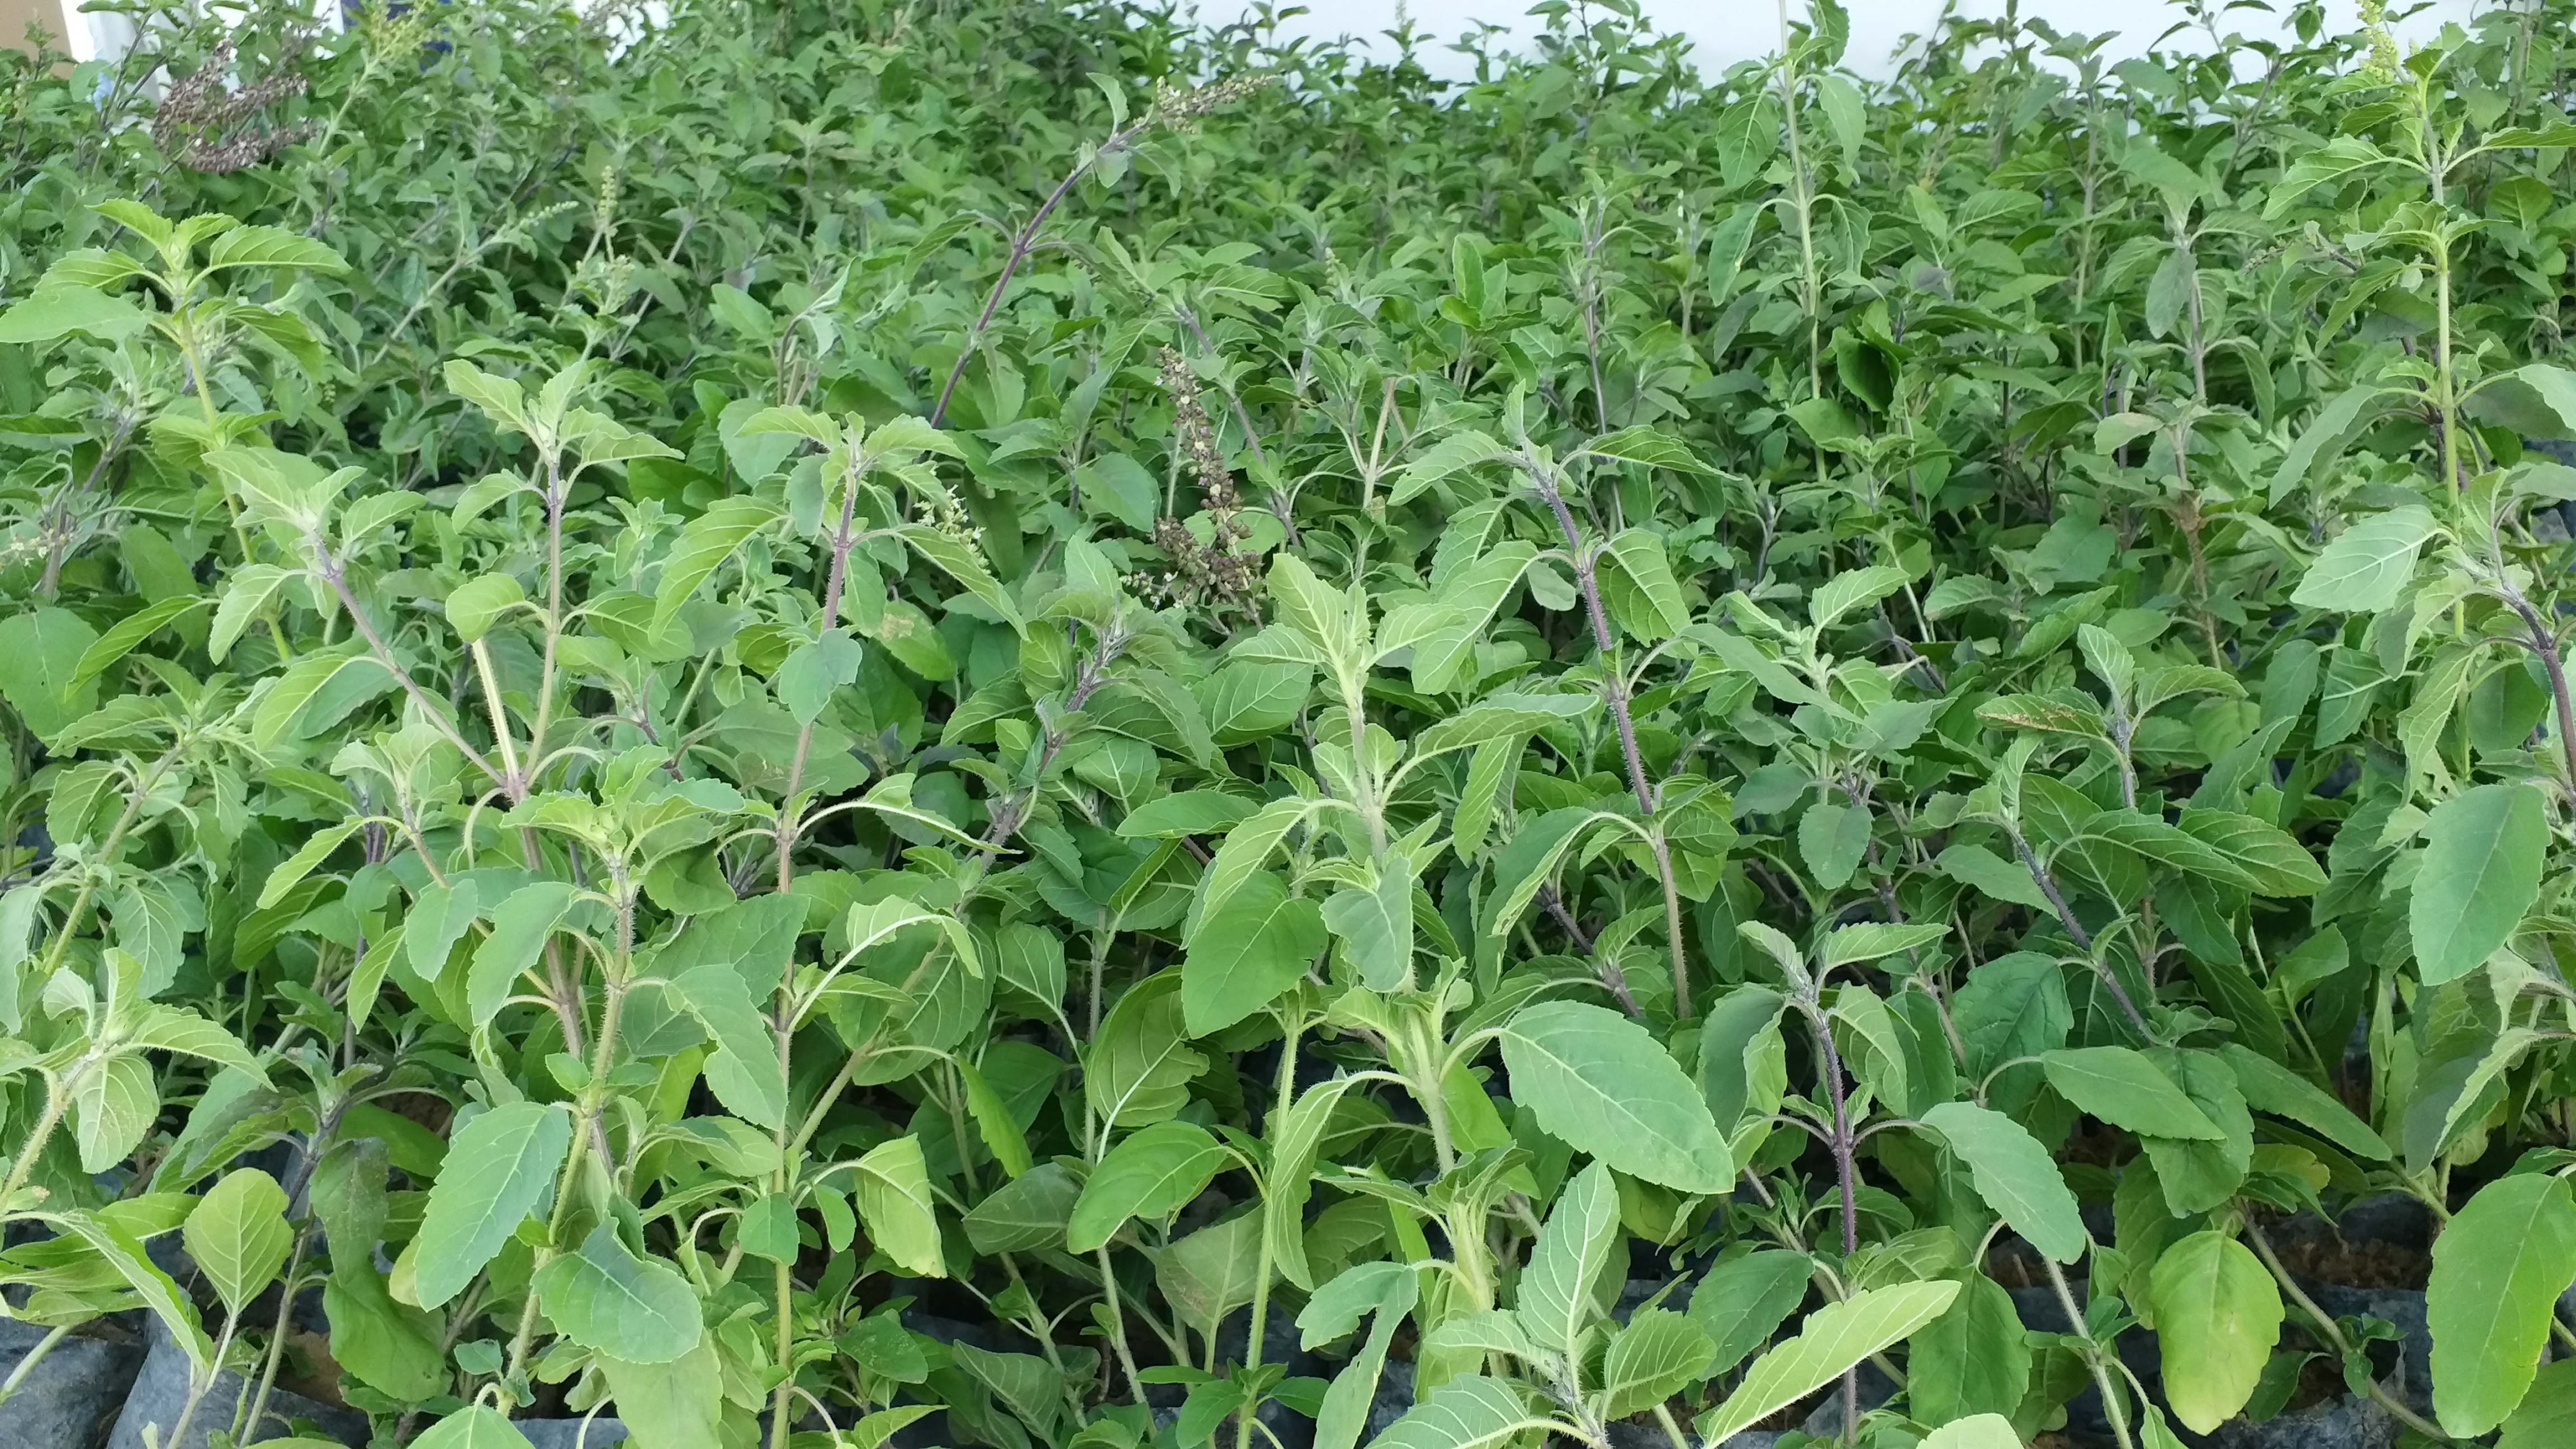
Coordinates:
(2217,1317)
(1375,923)
(1466,1413)
(238,1235)
(1656,1356)
(1555,1306)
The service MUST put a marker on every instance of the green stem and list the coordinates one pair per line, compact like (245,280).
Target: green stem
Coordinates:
(2093,1352)
(18,1376)
(1252,1333)
(56,1094)
(89,885)
(244,1425)
(199,1388)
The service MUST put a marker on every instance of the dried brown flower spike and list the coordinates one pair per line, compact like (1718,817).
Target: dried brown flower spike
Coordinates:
(194,116)
(1211,572)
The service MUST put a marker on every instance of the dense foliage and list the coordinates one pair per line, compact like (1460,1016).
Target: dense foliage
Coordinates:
(687,697)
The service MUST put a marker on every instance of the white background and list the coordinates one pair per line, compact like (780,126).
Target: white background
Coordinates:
(1726,31)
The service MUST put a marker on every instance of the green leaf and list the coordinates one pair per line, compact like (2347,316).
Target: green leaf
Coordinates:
(2320,166)
(1555,1306)
(1027,1213)
(1992,875)
(993,1121)
(1977,1431)
(1248,951)
(1465,1413)
(1973,1358)
(2498,1268)
(1872,940)
(1642,444)
(890,1186)
(520,925)
(40,653)
(1656,1356)
(704,545)
(2480,874)
(1154,1173)
(2015,1175)
(1375,923)
(1296,1142)
(2123,1088)
(57,311)
(1833,1339)
(2367,566)
(2270,857)
(1212,1272)
(184,1033)
(473,606)
(1743,1300)
(440,916)
(1245,850)
(270,246)
(315,693)
(2218,1316)
(500,1171)
(126,1258)
(2537,399)
(390,1347)
(744,1071)
(1599,1083)
(610,1301)
(1832,838)
(2271,1087)
(2546,1418)
(676,1405)
(472,1427)
(1452,454)
(1139,1067)
(316,849)
(2333,426)
(1187,812)
(238,1235)
(1529,861)
(133,629)
(1500,716)
(1851,589)
(1386,1290)
(961,562)
(1443,632)
(768,1229)
(1638,582)
(113,1105)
